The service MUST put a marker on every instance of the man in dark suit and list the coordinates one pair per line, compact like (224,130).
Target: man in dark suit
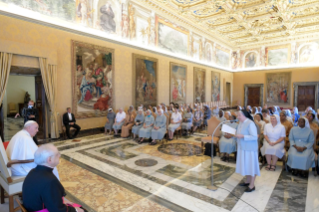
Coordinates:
(69,121)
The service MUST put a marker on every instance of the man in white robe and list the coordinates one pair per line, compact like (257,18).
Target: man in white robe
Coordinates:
(22,147)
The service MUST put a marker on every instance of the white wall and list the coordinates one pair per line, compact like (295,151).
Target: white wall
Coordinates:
(17,87)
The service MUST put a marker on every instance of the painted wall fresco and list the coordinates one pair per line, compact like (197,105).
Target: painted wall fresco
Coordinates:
(278,88)
(92,78)
(129,20)
(178,83)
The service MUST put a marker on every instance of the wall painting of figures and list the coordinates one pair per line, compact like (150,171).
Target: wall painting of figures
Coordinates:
(215,86)
(92,79)
(144,80)
(178,83)
(278,88)
(199,84)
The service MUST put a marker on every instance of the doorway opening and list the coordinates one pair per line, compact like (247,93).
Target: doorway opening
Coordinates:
(24,84)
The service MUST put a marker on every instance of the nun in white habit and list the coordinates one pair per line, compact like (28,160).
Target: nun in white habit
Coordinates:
(247,150)
(22,147)
(274,142)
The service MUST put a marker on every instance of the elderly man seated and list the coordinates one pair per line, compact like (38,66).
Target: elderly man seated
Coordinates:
(41,190)
(22,147)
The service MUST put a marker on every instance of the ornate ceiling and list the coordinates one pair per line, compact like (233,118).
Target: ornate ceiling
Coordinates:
(247,22)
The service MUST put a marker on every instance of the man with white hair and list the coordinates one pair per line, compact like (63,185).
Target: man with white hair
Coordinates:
(41,189)
(22,147)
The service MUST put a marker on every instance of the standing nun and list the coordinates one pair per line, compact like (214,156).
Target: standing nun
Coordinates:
(138,122)
(301,155)
(159,128)
(247,150)
(145,131)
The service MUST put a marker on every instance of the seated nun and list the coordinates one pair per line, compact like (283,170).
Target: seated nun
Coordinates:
(301,155)
(207,114)
(227,142)
(221,116)
(176,119)
(288,125)
(289,116)
(215,111)
(159,128)
(198,118)
(145,131)
(187,120)
(266,117)
(128,124)
(119,121)
(138,123)
(110,121)
(41,190)
(274,142)
(260,121)
(254,111)
(227,115)
(22,147)
(296,116)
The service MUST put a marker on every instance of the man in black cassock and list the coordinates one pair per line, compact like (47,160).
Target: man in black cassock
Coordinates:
(41,189)
(69,121)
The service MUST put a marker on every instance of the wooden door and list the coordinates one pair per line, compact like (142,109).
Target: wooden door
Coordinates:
(306,97)
(40,105)
(253,98)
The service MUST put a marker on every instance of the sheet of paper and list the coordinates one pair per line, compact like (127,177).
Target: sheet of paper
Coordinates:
(228,129)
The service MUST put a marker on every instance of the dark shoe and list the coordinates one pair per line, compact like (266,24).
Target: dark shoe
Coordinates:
(272,168)
(153,143)
(244,184)
(250,189)
(223,158)
(227,159)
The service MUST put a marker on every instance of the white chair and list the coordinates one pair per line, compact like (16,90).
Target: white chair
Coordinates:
(11,184)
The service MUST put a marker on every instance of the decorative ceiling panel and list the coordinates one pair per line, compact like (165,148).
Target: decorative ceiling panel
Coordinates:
(239,22)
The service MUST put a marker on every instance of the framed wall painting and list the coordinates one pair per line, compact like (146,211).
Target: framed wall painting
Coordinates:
(215,79)
(222,57)
(92,79)
(278,88)
(145,85)
(178,75)
(199,84)
(278,55)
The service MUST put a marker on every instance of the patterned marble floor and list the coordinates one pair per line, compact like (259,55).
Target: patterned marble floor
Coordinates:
(104,173)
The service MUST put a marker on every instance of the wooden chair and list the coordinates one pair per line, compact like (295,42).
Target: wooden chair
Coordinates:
(21,205)
(212,123)
(11,184)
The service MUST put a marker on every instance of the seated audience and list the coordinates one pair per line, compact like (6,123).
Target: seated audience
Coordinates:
(159,128)
(227,115)
(227,142)
(274,142)
(265,106)
(41,189)
(187,120)
(207,114)
(176,119)
(198,118)
(128,124)
(110,121)
(215,111)
(22,147)
(288,125)
(311,116)
(301,155)
(138,123)
(69,121)
(266,116)
(221,116)
(239,108)
(145,131)
(306,111)
(254,111)
(275,111)
(119,121)
(259,109)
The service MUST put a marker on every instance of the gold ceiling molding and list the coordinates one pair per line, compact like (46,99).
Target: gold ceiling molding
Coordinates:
(248,22)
